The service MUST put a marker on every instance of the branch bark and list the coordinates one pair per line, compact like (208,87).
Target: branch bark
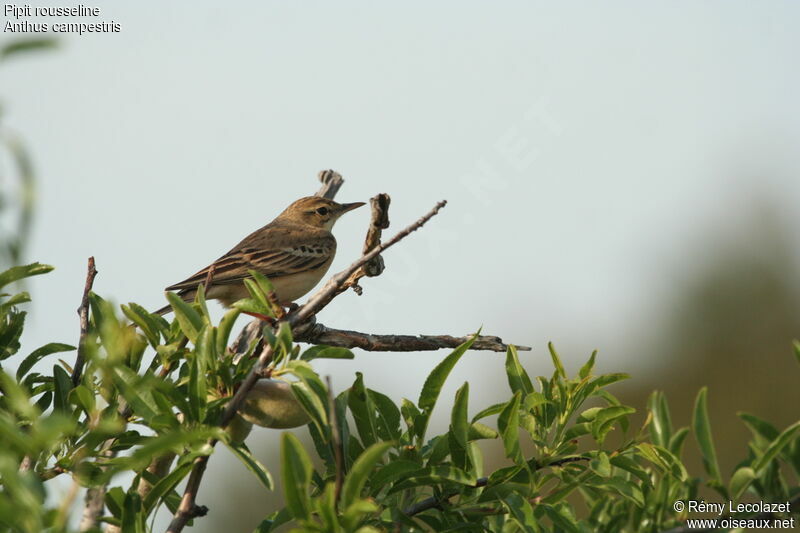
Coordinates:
(83,313)
(379,221)
(371,342)
(331,183)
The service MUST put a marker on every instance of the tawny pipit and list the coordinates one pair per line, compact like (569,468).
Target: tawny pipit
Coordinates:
(294,251)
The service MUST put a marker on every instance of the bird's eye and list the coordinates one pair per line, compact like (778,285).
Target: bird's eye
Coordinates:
(322,211)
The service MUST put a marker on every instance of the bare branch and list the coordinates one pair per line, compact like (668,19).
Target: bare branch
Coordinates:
(379,221)
(320,334)
(331,183)
(83,313)
(95,499)
(187,508)
(338,283)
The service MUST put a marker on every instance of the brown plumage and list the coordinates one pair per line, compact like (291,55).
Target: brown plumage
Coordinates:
(294,251)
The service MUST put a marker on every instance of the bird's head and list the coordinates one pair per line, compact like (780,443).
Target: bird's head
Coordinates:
(317,211)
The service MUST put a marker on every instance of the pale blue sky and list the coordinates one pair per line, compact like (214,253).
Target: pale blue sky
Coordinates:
(587,151)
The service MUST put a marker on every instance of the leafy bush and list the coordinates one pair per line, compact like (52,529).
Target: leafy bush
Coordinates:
(154,390)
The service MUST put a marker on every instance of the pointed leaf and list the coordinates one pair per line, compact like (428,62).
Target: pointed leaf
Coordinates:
(254,465)
(189,320)
(326,352)
(17,273)
(556,361)
(508,424)
(776,446)
(702,432)
(37,354)
(360,472)
(296,473)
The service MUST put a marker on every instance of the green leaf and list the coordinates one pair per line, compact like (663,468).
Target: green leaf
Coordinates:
(556,361)
(190,321)
(776,446)
(605,419)
(508,424)
(761,429)
(82,397)
(630,465)
(254,465)
(132,518)
(459,428)
(363,411)
(355,512)
(114,500)
(601,465)
(224,330)
(562,517)
(586,370)
(395,470)
(577,430)
(626,489)
(14,301)
(275,520)
(481,431)
(37,354)
(165,485)
(15,399)
(296,472)
(518,379)
(147,322)
(433,475)
(169,442)
(10,332)
(198,365)
(326,352)
(25,271)
(360,472)
(677,440)
(326,509)
(702,432)
(284,337)
(435,380)
(312,405)
(63,384)
(22,46)
(661,425)
(387,421)
(521,512)
(434,383)
(410,414)
(136,393)
(489,411)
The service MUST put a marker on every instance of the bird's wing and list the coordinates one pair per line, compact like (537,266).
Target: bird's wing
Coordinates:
(284,256)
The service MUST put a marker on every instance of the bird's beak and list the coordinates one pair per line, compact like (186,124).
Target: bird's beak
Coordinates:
(344,208)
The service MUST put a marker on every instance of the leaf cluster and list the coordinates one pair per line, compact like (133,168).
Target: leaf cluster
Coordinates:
(153,393)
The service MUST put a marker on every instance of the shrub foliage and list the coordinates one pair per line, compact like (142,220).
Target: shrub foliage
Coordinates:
(154,389)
